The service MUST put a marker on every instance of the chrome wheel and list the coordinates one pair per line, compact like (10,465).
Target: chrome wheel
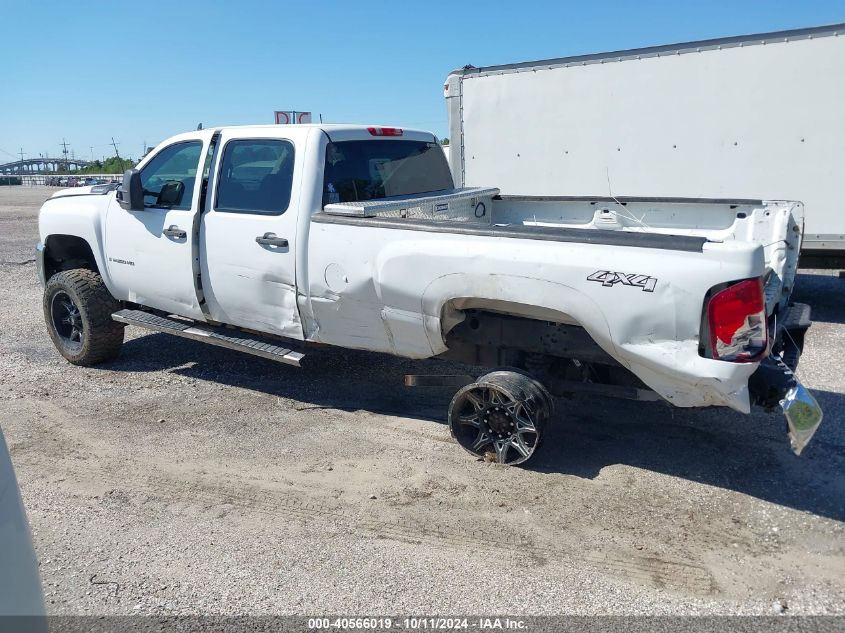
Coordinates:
(67,320)
(501,417)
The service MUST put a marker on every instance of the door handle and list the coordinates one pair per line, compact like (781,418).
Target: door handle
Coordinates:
(270,239)
(174,231)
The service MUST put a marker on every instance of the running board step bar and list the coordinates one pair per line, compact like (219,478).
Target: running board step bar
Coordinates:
(214,336)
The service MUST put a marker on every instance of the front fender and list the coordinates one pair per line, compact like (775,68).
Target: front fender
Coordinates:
(81,216)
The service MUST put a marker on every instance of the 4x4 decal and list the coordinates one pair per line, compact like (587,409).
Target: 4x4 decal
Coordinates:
(609,278)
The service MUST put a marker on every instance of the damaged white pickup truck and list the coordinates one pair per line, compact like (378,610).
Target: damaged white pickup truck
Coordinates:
(266,239)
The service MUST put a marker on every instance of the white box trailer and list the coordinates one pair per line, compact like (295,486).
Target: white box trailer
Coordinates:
(750,117)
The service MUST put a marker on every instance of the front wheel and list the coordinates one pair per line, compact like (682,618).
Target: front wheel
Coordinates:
(78,309)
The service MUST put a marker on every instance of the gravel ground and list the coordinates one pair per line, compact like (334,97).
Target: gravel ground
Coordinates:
(186,479)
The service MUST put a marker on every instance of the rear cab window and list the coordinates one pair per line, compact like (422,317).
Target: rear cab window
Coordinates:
(373,169)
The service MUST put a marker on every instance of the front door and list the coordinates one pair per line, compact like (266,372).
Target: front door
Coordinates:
(149,253)
(248,235)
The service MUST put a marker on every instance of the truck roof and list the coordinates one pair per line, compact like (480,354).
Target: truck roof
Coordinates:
(326,127)
(335,131)
(696,46)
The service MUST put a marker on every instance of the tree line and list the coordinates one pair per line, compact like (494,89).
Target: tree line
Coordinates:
(113,165)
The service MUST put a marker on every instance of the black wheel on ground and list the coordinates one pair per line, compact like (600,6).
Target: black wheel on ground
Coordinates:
(501,417)
(78,309)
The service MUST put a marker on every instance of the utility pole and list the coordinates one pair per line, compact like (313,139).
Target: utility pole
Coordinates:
(64,152)
(21,169)
(92,153)
(116,153)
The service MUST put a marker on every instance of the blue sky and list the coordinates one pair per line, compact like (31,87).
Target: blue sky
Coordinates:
(141,71)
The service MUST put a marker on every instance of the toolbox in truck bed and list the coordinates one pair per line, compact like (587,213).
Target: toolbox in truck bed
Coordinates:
(470,204)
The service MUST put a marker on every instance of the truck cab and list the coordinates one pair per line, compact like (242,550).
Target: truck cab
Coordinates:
(223,226)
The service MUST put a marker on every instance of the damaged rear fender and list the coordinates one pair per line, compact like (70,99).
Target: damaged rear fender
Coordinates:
(673,369)
(447,296)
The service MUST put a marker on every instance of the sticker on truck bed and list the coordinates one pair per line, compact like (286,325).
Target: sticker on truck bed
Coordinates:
(609,278)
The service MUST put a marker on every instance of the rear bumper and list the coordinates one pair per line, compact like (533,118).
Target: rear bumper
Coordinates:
(774,383)
(774,376)
(771,382)
(39,263)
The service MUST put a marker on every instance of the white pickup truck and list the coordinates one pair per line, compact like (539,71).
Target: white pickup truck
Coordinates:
(269,238)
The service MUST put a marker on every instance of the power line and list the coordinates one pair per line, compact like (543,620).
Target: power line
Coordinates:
(116,153)
(64,152)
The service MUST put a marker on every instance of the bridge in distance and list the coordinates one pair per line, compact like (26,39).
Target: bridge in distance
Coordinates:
(43,165)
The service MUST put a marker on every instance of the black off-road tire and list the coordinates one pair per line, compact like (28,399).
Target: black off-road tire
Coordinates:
(78,309)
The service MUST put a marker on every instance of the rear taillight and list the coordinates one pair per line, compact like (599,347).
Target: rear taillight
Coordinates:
(385,131)
(736,317)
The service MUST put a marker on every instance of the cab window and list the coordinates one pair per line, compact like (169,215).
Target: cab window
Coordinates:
(368,170)
(168,179)
(256,176)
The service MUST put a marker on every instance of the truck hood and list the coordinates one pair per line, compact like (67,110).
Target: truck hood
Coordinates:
(69,210)
(77,191)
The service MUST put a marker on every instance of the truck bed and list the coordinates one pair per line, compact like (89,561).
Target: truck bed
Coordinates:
(399,285)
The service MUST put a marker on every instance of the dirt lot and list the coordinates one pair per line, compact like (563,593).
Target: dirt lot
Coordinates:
(183,478)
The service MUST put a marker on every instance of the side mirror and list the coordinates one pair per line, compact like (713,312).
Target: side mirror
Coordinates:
(171,194)
(130,195)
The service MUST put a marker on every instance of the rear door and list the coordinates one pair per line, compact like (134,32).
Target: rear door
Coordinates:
(248,234)
(149,253)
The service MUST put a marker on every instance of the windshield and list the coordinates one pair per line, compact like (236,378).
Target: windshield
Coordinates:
(367,170)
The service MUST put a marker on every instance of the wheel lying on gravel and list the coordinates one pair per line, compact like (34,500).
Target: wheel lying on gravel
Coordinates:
(502,417)
(78,309)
